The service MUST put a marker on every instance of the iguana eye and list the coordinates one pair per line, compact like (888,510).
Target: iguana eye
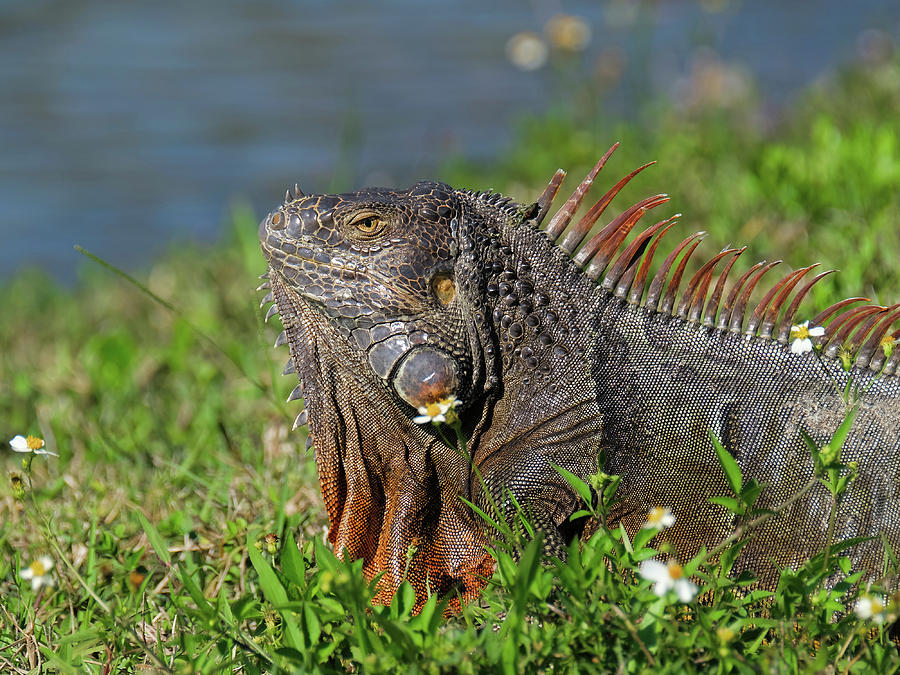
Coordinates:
(367,224)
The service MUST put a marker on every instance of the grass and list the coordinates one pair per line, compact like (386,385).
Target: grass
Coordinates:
(176,460)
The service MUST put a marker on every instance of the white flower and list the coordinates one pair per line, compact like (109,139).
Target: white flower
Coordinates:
(800,334)
(526,51)
(436,411)
(31,444)
(668,577)
(870,607)
(39,572)
(659,518)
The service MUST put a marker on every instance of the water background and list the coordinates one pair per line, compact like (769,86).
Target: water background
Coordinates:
(127,126)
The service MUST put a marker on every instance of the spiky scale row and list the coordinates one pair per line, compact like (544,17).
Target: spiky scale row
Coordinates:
(787,285)
(712,305)
(297,193)
(868,350)
(562,217)
(581,229)
(621,274)
(692,300)
(858,331)
(635,297)
(297,391)
(653,292)
(545,201)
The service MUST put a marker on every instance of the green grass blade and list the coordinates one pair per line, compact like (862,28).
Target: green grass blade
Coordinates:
(274,592)
(731,468)
(155,539)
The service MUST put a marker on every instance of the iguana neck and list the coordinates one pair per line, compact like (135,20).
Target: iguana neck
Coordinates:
(384,480)
(541,308)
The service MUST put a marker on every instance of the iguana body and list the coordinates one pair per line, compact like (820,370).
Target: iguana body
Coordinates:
(392,300)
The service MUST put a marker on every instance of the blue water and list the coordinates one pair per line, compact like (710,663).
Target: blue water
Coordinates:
(127,126)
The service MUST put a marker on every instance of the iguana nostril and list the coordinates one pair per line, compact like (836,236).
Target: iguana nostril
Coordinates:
(277,221)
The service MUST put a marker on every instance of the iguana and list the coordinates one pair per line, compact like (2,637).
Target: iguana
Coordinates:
(558,346)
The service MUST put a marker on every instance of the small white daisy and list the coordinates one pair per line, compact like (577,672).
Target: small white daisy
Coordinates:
(527,51)
(666,577)
(31,444)
(800,337)
(39,573)
(870,607)
(659,518)
(436,411)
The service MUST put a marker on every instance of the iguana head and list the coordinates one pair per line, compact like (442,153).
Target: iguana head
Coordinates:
(380,266)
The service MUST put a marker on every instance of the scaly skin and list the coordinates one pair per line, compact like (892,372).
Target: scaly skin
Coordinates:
(394,299)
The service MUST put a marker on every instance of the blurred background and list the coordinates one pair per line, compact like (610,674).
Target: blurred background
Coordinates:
(126,127)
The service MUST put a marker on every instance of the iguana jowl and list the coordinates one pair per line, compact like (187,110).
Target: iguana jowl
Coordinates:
(562,347)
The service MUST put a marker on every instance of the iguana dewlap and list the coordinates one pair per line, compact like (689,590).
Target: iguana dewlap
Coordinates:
(561,346)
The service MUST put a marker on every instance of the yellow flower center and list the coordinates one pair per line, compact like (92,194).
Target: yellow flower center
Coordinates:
(34,443)
(877,606)
(37,568)
(433,409)
(799,332)
(675,571)
(657,513)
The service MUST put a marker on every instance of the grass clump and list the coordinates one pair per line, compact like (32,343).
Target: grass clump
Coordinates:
(183,521)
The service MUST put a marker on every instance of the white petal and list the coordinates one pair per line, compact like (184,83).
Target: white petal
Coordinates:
(422,419)
(439,418)
(801,346)
(668,520)
(655,571)
(44,451)
(19,444)
(42,580)
(818,331)
(27,573)
(423,409)
(805,324)
(685,590)
(663,586)
(46,561)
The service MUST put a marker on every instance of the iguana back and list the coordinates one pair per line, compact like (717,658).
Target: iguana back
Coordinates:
(562,347)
